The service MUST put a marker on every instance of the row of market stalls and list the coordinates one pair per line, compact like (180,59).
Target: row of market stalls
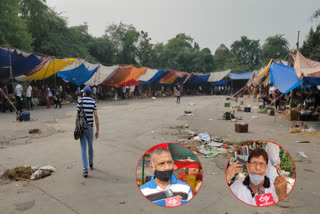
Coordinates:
(21,66)
(304,73)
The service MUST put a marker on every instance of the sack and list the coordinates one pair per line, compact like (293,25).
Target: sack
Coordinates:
(81,124)
(50,94)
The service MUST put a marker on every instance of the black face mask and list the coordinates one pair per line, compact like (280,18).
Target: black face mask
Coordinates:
(163,175)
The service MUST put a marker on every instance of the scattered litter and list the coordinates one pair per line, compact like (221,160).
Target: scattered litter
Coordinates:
(294,130)
(238,118)
(17,185)
(255,107)
(186,126)
(215,144)
(254,117)
(234,120)
(222,150)
(18,173)
(204,150)
(302,154)
(154,98)
(188,113)
(189,132)
(192,104)
(279,117)
(210,119)
(34,131)
(197,138)
(306,141)
(205,137)
(218,139)
(27,172)
(263,111)
(212,154)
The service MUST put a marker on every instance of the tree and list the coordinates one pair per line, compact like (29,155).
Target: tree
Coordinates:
(144,50)
(246,54)
(13,29)
(124,39)
(275,47)
(311,46)
(102,50)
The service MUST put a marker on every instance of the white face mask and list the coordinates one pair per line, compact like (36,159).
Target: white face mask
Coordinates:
(256,179)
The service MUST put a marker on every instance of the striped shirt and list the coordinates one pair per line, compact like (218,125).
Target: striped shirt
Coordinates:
(89,105)
(157,195)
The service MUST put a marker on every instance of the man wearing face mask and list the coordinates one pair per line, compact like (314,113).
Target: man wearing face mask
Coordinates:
(164,184)
(257,183)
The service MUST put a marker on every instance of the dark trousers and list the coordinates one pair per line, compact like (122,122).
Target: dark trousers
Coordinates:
(19,104)
(58,102)
(178,99)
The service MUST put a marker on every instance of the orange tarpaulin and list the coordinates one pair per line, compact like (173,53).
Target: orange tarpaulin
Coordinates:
(125,75)
(305,67)
(172,76)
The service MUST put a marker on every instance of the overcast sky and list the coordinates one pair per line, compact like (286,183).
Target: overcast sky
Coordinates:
(209,22)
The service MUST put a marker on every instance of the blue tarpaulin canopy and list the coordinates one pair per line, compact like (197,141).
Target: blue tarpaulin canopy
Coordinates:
(284,77)
(198,78)
(221,82)
(79,75)
(156,77)
(21,63)
(242,76)
(311,80)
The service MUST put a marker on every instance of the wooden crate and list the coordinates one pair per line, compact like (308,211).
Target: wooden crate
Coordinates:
(239,128)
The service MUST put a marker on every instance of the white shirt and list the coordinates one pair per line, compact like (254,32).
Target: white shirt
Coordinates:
(19,90)
(242,192)
(29,90)
(94,90)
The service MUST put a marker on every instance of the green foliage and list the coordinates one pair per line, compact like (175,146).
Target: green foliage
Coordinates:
(246,54)
(311,46)
(286,163)
(13,29)
(275,47)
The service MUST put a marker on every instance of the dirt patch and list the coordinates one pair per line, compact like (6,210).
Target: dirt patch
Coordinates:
(19,173)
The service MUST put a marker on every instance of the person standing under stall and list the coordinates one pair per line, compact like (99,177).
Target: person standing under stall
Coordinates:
(29,96)
(94,92)
(58,98)
(19,97)
(48,96)
(178,95)
(90,110)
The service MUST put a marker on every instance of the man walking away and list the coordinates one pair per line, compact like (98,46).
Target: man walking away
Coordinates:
(29,96)
(19,96)
(90,109)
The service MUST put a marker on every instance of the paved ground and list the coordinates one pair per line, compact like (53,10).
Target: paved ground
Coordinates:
(128,129)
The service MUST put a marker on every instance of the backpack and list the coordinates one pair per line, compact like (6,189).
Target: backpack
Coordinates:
(81,124)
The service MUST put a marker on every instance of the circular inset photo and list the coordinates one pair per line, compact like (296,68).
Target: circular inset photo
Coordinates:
(169,175)
(261,173)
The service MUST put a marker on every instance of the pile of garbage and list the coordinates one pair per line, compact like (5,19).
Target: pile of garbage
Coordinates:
(209,146)
(27,173)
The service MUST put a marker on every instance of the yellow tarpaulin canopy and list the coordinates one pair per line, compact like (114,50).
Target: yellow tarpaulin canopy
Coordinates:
(266,69)
(48,67)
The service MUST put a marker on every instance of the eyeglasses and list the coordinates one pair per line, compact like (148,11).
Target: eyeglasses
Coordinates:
(262,165)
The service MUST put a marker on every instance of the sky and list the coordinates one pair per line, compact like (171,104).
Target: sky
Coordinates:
(209,22)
